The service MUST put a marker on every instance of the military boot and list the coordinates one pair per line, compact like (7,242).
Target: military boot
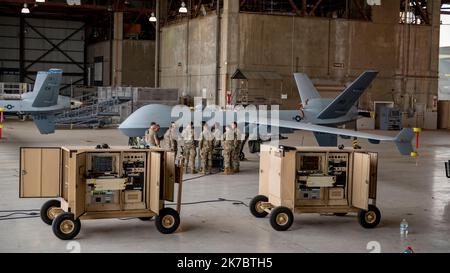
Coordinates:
(226,171)
(193,171)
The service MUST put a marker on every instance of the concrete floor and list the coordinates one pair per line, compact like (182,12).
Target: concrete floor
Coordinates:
(420,193)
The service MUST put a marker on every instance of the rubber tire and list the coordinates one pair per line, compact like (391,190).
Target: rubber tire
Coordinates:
(273,216)
(362,218)
(145,218)
(241,156)
(252,206)
(44,209)
(341,214)
(158,220)
(59,219)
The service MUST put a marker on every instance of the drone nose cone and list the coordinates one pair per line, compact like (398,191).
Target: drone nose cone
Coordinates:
(139,121)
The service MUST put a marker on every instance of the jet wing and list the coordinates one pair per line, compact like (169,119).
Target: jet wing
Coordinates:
(402,140)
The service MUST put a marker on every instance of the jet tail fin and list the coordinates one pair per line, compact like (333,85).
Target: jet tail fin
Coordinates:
(344,102)
(305,88)
(45,123)
(403,141)
(46,88)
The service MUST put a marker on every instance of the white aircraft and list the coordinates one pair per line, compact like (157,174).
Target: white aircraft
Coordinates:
(319,115)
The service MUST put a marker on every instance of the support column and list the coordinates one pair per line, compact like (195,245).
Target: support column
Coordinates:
(22,49)
(116,73)
(157,43)
(218,34)
(229,46)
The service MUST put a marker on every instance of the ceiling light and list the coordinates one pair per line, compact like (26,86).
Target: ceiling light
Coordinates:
(25,9)
(183,8)
(40,1)
(152,17)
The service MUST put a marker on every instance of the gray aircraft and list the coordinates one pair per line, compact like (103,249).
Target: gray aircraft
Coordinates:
(43,103)
(319,115)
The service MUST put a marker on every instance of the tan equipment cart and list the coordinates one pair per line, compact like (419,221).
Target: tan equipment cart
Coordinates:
(100,183)
(316,180)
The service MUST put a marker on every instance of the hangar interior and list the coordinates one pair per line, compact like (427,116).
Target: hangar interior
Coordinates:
(119,55)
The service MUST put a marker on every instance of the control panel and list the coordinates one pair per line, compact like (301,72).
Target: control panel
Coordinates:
(134,170)
(115,181)
(337,167)
(321,176)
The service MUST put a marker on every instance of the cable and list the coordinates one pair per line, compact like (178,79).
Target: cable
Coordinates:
(32,213)
(22,217)
(25,213)
(235,202)
(19,210)
(200,176)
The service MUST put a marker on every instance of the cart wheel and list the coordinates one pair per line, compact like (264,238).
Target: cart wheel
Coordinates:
(255,206)
(341,214)
(65,227)
(167,221)
(145,218)
(369,218)
(281,218)
(50,210)
(241,156)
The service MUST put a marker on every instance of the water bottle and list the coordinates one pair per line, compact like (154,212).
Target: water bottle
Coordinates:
(404,228)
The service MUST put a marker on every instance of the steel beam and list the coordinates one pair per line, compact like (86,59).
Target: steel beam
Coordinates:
(304,6)
(56,46)
(294,6)
(79,7)
(423,15)
(197,10)
(51,43)
(312,12)
(69,84)
(22,68)
(364,15)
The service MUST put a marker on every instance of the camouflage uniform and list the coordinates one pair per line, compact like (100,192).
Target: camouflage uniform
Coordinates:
(170,140)
(151,138)
(206,149)
(217,134)
(228,145)
(236,150)
(189,149)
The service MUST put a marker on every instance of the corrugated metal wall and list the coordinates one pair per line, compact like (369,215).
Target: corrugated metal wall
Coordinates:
(46,44)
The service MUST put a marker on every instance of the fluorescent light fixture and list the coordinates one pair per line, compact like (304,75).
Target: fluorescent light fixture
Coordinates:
(40,1)
(183,8)
(152,17)
(25,9)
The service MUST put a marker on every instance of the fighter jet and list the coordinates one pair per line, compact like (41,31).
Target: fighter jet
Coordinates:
(43,103)
(318,115)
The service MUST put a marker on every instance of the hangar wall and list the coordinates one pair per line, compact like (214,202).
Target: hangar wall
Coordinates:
(138,62)
(188,56)
(332,52)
